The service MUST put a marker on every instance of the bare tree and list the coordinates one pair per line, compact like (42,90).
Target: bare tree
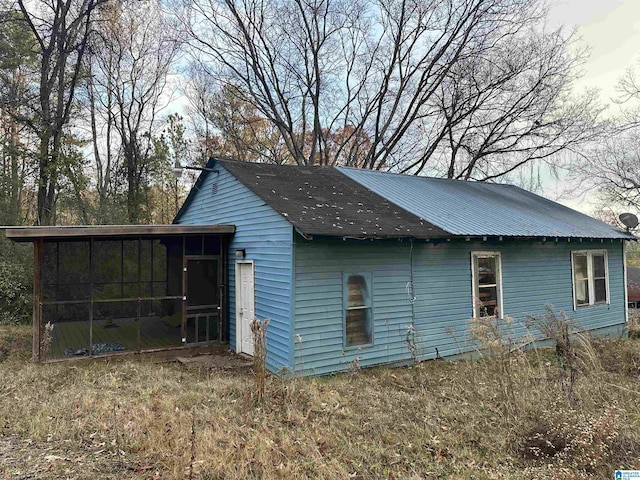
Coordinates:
(509,107)
(226,125)
(466,88)
(612,165)
(130,63)
(61,29)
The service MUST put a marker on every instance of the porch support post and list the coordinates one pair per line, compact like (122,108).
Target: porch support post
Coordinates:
(37,298)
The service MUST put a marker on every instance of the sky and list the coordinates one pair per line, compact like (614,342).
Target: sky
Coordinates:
(611,29)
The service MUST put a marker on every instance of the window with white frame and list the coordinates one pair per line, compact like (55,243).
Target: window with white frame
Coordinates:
(487,284)
(590,277)
(357,309)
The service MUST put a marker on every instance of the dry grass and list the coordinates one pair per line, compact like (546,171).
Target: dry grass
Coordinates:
(436,419)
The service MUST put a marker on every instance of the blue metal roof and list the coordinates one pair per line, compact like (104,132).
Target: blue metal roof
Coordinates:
(482,209)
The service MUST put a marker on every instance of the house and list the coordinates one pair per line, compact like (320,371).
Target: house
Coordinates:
(354,264)
(633,287)
(350,266)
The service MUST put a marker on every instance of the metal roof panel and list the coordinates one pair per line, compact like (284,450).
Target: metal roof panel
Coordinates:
(479,208)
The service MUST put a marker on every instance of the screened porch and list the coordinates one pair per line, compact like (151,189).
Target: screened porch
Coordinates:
(125,289)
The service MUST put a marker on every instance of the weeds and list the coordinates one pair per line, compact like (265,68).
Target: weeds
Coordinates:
(46,339)
(574,349)
(435,419)
(259,331)
(582,443)
(633,326)
(412,345)
(495,342)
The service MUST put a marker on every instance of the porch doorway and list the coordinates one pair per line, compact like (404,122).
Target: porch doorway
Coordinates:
(203,283)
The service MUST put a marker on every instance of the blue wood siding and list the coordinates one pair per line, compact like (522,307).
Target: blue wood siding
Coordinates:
(533,274)
(267,239)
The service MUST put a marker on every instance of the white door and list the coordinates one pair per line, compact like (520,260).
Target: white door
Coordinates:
(245,307)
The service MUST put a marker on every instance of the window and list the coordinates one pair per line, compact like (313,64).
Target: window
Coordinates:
(487,284)
(590,278)
(357,309)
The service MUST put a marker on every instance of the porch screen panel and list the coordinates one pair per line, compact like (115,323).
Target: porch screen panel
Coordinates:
(66,299)
(160,303)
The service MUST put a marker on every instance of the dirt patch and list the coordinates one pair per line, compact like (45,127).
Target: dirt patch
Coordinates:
(14,340)
(219,362)
(26,459)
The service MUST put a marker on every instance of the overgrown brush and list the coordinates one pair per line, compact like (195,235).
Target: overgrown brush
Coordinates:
(259,332)
(16,282)
(634,323)
(495,343)
(574,348)
(435,419)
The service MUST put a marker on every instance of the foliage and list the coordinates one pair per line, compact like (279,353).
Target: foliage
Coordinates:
(259,333)
(16,282)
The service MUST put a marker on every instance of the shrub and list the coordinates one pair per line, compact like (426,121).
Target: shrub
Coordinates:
(16,280)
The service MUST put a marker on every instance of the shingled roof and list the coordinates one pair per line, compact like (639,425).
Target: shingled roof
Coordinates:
(324,202)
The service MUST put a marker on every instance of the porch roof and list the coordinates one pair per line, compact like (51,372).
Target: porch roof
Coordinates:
(30,234)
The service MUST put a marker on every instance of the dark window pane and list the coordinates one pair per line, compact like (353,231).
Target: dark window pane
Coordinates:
(582,292)
(107,261)
(193,245)
(202,283)
(50,263)
(146,261)
(580,266)
(600,290)
(160,253)
(598,266)
(65,273)
(130,260)
(211,245)
(107,291)
(174,265)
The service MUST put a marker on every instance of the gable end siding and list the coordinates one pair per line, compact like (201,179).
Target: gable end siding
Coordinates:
(267,239)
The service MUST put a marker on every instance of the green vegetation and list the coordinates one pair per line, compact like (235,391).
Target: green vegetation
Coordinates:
(16,280)
(466,419)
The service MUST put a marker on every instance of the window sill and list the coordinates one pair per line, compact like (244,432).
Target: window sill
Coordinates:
(357,347)
(578,307)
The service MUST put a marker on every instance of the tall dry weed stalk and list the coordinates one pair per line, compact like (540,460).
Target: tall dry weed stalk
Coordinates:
(259,331)
(633,326)
(46,339)
(412,344)
(494,341)
(574,349)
